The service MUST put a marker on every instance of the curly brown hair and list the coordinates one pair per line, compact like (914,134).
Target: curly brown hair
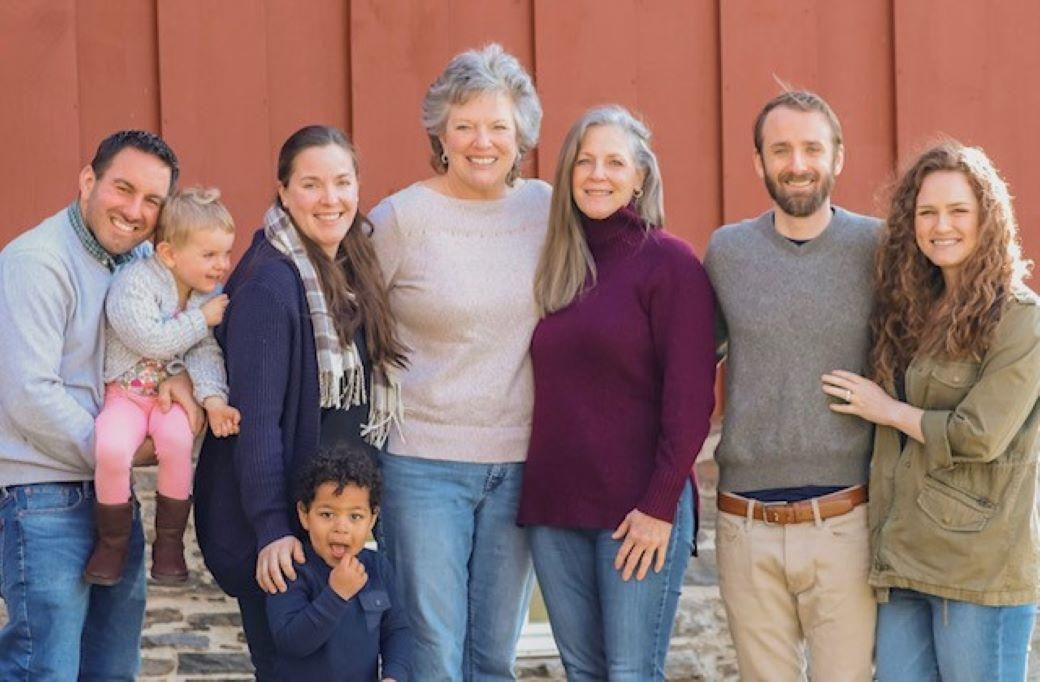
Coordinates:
(914,312)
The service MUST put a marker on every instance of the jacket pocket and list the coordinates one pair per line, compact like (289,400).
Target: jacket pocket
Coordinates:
(950,381)
(952,509)
(374,603)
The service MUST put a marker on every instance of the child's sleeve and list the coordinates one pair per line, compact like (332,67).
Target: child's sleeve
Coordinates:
(205,365)
(133,311)
(395,637)
(298,625)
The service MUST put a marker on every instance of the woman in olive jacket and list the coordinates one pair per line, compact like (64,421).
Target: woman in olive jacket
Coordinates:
(956,376)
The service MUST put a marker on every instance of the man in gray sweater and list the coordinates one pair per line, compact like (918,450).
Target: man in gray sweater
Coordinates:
(53,281)
(795,294)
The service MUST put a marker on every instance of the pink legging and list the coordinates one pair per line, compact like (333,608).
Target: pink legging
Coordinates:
(126,419)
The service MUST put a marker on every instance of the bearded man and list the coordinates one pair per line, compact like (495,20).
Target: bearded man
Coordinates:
(794,289)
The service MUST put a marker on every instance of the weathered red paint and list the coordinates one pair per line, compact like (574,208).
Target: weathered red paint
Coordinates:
(226,82)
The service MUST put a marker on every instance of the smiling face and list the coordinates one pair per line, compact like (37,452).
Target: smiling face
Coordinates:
(946,221)
(338,524)
(322,195)
(605,176)
(480,142)
(201,261)
(798,161)
(122,206)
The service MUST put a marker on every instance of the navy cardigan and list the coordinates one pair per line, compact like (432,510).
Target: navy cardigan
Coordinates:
(243,484)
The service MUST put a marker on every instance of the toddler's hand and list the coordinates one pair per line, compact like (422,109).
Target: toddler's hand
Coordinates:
(213,309)
(348,577)
(223,419)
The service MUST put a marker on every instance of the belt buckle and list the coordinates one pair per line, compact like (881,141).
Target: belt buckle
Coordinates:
(765,512)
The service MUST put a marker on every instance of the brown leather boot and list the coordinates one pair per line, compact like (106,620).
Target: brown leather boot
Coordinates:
(171,516)
(113,536)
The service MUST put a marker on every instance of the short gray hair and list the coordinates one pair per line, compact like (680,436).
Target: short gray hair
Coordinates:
(487,70)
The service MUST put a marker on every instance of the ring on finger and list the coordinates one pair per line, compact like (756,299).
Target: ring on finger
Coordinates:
(848,395)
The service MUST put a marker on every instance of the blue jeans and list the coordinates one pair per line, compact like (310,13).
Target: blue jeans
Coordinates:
(462,565)
(921,638)
(607,628)
(62,628)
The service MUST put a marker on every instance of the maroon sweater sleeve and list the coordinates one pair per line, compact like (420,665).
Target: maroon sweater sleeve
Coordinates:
(681,310)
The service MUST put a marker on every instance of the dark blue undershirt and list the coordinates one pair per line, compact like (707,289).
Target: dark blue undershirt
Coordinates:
(798,494)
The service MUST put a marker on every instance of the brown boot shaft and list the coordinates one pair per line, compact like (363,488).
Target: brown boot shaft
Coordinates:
(113,522)
(171,518)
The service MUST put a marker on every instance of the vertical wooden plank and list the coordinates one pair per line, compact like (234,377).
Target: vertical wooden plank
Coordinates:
(841,50)
(398,47)
(308,67)
(215,111)
(971,74)
(118,64)
(39,115)
(659,59)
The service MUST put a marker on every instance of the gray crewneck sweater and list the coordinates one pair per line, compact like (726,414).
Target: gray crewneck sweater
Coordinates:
(789,314)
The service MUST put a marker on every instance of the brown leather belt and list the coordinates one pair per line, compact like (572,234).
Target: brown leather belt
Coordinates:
(783,513)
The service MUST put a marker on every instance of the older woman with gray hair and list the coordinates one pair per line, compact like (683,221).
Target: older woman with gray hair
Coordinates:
(624,372)
(459,251)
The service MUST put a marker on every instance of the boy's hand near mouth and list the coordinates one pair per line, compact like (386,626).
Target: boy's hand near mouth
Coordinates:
(348,577)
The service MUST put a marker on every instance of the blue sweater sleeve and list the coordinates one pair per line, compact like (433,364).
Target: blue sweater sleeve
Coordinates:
(300,626)
(395,637)
(257,347)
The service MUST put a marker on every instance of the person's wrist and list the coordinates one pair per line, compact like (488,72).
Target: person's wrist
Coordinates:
(897,415)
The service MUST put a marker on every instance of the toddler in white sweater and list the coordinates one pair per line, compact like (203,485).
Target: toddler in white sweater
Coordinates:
(160,311)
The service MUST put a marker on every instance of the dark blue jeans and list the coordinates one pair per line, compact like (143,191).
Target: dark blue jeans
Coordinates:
(607,628)
(60,627)
(253,607)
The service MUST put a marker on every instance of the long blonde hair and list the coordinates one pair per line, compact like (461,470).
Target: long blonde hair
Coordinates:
(566,265)
(914,312)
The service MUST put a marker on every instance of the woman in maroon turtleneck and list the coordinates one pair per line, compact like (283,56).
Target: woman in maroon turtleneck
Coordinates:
(624,369)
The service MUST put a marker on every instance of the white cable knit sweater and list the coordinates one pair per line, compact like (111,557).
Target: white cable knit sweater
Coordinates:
(143,322)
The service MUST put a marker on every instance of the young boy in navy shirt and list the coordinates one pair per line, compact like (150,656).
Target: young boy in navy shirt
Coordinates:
(339,619)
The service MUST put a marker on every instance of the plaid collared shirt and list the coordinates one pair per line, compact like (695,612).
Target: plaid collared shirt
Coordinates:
(90,242)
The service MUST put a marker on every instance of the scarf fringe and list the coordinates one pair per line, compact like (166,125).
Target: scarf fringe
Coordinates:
(385,411)
(341,374)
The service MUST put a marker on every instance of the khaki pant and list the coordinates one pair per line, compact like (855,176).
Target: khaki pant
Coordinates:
(797,587)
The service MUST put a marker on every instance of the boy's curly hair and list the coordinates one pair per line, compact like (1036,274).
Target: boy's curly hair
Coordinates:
(343,464)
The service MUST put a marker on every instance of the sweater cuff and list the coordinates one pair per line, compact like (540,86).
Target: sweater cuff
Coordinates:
(198,324)
(662,494)
(396,670)
(209,389)
(936,443)
(270,526)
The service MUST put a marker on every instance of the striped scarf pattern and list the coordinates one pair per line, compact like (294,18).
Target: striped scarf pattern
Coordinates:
(341,377)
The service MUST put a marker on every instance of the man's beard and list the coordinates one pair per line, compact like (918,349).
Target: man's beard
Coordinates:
(800,205)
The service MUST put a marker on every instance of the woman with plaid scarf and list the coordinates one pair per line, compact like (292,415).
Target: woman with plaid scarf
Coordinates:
(311,351)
